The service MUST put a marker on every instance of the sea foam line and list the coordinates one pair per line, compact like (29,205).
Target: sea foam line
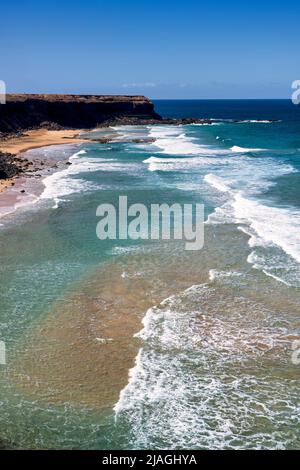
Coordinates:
(265,225)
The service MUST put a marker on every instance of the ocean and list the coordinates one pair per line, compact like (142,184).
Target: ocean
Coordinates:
(141,344)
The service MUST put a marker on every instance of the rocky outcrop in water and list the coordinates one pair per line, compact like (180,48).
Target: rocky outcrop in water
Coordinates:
(135,121)
(71,111)
(23,112)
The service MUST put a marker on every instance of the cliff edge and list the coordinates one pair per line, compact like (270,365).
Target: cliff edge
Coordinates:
(28,111)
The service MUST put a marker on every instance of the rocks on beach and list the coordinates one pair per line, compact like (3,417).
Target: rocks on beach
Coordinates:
(8,167)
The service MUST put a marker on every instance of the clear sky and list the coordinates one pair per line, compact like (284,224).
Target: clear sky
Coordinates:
(163,49)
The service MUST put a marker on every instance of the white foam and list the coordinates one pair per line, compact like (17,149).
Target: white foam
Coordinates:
(276,267)
(62,183)
(238,149)
(122,250)
(215,275)
(277,278)
(65,182)
(217,183)
(265,225)
(174,141)
(256,121)
(183,163)
(188,389)
(276,225)
(207,123)
(77,155)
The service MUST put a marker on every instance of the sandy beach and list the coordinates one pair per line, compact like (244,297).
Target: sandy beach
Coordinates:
(40,138)
(32,139)
(34,164)
(5,184)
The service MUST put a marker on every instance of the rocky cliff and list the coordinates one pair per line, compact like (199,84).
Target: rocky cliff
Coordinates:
(23,112)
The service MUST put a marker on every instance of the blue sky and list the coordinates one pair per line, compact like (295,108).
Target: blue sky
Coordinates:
(163,49)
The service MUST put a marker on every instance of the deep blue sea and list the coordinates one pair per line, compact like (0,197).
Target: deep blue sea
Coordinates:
(140,344)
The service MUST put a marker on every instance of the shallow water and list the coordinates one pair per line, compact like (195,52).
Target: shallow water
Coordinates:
(205,336)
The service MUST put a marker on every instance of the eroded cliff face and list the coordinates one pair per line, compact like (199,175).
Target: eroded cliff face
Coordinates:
(23,112)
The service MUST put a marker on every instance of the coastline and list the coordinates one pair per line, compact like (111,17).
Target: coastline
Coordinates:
(32,164)
(80,359)
(17,144)
(32,167)
(4,184)
(40,138)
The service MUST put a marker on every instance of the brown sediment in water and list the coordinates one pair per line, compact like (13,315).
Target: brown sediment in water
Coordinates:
(81,351)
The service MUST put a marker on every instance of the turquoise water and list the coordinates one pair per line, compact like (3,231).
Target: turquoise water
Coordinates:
(207,336)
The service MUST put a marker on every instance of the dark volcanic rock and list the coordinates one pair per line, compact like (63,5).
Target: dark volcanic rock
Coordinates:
(70,111)
(8,169)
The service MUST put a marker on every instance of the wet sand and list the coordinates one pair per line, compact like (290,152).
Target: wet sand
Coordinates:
(6,184)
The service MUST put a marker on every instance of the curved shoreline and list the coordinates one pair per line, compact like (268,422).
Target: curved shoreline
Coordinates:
(34,166)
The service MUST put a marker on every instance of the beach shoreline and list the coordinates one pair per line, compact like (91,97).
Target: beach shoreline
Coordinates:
(31,164)
(32,167)
(17,146)
(39,138)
